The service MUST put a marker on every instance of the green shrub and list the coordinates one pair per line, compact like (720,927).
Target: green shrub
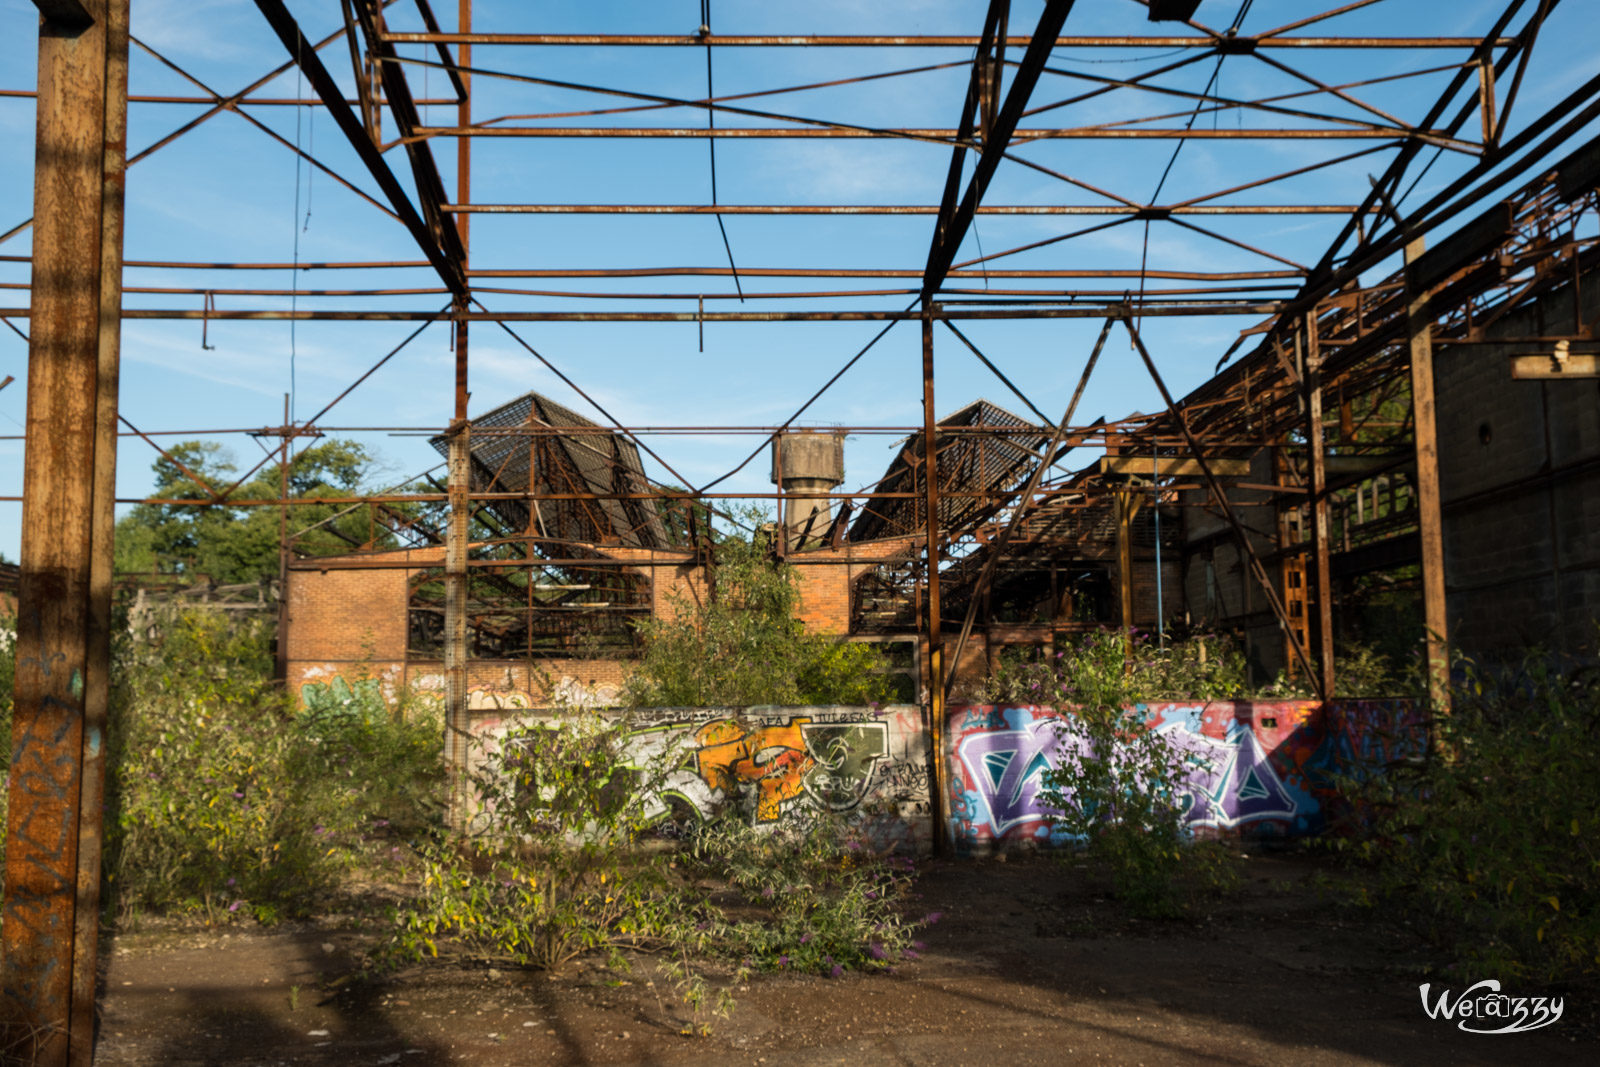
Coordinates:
(564,860)
(744,644)
(1105,666)
(548,872)
(221,800)
(1491,846)
(814,897)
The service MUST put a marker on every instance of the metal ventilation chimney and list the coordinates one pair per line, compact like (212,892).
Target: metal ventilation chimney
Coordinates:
(807,462)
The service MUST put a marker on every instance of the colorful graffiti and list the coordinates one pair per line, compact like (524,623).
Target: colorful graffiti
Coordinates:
(1265,769)
(340,697)
(1006,766)
(830,764)
(781,763)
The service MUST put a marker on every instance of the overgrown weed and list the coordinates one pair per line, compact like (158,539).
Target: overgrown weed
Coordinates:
(1489,847)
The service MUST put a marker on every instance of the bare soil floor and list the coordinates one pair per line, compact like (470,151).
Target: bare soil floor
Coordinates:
(1031,964)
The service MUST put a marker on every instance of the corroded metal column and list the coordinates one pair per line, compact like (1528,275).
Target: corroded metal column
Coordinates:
(457,721)
(1419,331)
(456,725)
(52,878)
(935,671)
(1317,473)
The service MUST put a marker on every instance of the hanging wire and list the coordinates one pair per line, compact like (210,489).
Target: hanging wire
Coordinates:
(711,144)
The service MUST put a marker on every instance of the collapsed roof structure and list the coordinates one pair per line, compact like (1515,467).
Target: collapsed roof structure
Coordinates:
(1331,449)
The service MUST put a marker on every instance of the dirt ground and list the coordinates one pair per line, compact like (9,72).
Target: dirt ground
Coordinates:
(1027,966)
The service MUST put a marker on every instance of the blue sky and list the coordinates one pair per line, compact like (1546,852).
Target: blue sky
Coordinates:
(226,192)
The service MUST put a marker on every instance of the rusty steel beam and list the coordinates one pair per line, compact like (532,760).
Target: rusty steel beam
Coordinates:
(955,218)
(52,875)
(894,209)
(650,272)
(457,717)
(927,40)
(1322,566)
(305,56)
(943,135)
(1077,311)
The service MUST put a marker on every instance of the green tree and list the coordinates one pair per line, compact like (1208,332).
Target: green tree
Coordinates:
(744,645)
(229,543)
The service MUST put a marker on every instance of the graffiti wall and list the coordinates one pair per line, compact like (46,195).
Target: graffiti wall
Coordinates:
(781,764)
(1256,768)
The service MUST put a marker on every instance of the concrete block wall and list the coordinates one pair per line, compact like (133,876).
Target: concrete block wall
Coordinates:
(1258,769)
(1519,472)
(779,765)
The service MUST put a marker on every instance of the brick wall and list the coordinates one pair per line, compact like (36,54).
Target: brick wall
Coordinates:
(347,616)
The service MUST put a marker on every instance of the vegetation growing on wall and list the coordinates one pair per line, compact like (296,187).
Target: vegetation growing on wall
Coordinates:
(744,645)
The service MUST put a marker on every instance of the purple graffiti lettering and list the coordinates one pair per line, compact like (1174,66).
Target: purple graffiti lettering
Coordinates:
(1232,782)
(1006,768)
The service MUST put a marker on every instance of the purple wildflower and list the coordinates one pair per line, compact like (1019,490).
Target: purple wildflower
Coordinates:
(932,917)
(232,881)
(235,905)
(875,950)
(837,972)
(238,796)
(805,937)
(911,954)
(783,961)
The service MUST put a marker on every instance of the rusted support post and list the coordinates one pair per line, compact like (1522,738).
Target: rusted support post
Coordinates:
(56,782)
(97,678)
(1318,473)
(1122,498)
(1419,330)
(280,665)
(935,671)
(457,721)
